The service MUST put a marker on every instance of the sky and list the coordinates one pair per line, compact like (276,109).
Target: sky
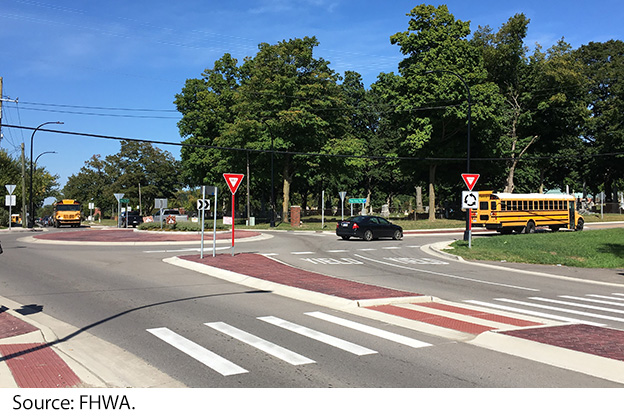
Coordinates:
(114,67)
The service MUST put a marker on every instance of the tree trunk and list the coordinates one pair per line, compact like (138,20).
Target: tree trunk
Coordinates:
(286,190)
(432,201)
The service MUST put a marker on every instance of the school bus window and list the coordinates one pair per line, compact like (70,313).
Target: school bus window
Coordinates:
(531,205)
(483,205)
(493,206)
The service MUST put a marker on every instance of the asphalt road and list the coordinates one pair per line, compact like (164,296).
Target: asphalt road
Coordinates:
(128,297)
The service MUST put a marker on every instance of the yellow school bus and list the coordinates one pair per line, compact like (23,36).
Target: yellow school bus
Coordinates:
(509,212)
(16,218)
(67,212)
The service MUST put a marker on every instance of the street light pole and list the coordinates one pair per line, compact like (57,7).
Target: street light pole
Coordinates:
(467,231)
(31,221)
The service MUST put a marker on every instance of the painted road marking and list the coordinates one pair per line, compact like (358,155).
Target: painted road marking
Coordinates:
(607,297)
(604,302)
(447,275)
(554,308)
(301,252)
(263,345)
(533,313)
(337,251)
(199,353)
(409,260)
(411,342)
(319,336)
(332,261)
(582,305)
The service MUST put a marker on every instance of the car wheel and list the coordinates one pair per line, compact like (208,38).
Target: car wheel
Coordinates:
(368,235)
(397,235)
(579,225)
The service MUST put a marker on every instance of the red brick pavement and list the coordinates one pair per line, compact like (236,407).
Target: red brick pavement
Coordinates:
(130,235)
(37,366)
(604,342)
(11,326)
(33,365)
(264,268)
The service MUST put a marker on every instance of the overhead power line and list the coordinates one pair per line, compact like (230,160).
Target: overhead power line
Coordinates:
(317,154)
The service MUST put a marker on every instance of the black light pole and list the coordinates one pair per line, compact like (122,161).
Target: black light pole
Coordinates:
(467,231)
(31,221)
(272,220)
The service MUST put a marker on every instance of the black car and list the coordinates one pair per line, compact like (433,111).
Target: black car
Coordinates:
(368,228)
(134,219)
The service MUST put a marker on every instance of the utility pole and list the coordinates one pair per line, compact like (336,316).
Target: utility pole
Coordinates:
(23,188)
(3,100)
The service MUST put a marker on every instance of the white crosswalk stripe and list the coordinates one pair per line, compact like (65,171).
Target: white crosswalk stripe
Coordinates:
(532,312)
(228,368)
(199,353)
(369,330)
(261,344)
(593,306)
(319,336)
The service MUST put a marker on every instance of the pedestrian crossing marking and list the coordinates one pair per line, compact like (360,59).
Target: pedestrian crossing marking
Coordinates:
(319,336)
(533,313)
(199,353)
(261,344)
(370,330)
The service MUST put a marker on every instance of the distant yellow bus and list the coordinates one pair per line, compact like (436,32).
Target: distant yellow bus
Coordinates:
(16,218)
(67,212)
(509,212)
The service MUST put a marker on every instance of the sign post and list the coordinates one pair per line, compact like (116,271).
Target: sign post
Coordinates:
(233,181)
(342,198)
(203,205)
(469,202)
(11,200)
(118,196)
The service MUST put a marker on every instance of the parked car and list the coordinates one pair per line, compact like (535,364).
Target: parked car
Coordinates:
(134,219)
(169,212)
(368,228)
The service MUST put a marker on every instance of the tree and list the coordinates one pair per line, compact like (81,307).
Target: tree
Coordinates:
(137,166)
(433,107)
(283,99)
(603,65)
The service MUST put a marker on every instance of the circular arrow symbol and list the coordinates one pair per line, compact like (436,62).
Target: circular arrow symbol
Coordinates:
(470,200)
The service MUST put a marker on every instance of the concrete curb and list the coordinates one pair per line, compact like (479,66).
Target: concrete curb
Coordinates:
(589,364)
(96,362)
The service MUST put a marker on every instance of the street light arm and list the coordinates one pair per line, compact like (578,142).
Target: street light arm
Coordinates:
(31,222)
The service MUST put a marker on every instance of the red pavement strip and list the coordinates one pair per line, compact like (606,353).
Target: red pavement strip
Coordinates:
(439,320)
(603,342)
(37,366)
(261,267)
(32,365)
(130,235)
(483,315)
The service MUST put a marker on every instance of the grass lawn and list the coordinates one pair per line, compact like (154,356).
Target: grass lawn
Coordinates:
(593,249)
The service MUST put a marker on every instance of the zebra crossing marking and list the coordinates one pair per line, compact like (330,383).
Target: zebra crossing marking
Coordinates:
(369,330)
(196,351)
(533,313)
(319,336)
(261,344)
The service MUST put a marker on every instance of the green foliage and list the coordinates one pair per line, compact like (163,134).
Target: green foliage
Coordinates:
(136,165)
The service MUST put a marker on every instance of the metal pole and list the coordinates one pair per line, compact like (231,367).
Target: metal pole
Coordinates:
(468,232)
(214,226)
(31,222)
(201,251)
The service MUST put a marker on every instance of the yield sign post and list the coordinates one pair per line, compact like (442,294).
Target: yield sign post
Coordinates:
(470,180)
(233,181)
